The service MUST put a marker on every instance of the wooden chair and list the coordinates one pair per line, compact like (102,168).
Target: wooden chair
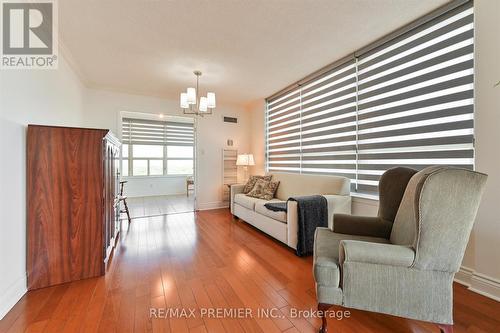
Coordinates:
(123,198)
(189,181)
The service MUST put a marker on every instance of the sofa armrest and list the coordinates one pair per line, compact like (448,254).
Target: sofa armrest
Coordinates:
(292,221)
(337,204)
(361,226)
(235,189)
(375,253)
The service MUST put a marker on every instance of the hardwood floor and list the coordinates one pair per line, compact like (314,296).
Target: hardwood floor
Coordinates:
(159,205)
(207,260)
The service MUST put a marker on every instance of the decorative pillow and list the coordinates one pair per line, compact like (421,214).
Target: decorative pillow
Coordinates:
(258,189)
(264,189)
(270,189)
(251,182)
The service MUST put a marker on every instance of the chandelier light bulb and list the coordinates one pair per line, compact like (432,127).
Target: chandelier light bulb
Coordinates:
(211,100)
(184,101)
(191,95)
(203,104)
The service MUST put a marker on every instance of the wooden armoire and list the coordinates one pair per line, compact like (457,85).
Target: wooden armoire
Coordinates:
(72,207)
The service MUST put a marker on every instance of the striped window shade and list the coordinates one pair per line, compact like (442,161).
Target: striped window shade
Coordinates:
(415,99)
(152,132)
(283,132)
(406,101)
(329,123)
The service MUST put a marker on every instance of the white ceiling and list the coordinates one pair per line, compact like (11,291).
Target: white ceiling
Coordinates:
(246,49)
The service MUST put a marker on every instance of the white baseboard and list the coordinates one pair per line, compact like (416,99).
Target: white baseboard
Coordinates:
(12,295)
(144,195)
(479,283)
(464,276)
(212,205)
(485,286)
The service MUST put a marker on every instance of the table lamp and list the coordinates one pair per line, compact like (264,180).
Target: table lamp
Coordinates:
(245,160)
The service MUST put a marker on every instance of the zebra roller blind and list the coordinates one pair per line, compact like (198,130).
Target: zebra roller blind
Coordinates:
(407,102)
(283,132)
(151,132)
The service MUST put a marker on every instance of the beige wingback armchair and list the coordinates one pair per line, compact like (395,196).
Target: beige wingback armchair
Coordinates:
(403,261)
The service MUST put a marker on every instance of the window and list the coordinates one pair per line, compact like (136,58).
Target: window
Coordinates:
(180,160)
(180,167)
(157,148)
(405,101)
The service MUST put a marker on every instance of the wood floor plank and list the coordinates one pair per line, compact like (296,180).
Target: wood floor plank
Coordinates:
(218,301)
(26,310)
(80,308)
(203,301)
(159,324)
(248,324)
(209,260)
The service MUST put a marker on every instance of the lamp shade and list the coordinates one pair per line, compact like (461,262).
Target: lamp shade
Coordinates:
(191,95)
(245,160)
(184,101)
(211,100)
(203,104)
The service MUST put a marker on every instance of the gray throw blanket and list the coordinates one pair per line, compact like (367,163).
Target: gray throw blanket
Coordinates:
(312,212)
(276,206)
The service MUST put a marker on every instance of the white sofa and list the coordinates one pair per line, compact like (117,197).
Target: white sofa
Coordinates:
(283,225)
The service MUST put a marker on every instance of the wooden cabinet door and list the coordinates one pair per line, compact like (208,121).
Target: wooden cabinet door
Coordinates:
(64,205)
(110,154)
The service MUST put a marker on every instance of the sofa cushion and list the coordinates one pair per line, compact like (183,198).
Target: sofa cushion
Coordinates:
(252,180)
(246,201)
(264,189)
(326,255)
(270,190)
(278,216)
(258,189)
(292,184)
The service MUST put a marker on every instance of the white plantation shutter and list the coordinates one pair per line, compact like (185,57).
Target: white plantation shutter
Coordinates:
(151,132)
(405,102)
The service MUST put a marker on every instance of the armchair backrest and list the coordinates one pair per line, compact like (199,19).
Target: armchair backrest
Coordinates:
(391,188)
(436,215)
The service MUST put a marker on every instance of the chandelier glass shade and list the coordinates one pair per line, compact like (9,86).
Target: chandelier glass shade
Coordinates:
(192,103)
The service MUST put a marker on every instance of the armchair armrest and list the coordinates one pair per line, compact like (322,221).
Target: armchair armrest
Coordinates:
(235,189)
(375,253)
(361,226)
(337,204)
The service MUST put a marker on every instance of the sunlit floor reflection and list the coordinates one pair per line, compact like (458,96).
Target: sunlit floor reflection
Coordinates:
(168,234)
(159,205)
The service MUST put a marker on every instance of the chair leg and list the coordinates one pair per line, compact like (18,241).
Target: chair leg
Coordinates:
(126,211)
(445,328)
(323,308)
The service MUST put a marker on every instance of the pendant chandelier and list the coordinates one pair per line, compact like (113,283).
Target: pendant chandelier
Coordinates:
(192,103)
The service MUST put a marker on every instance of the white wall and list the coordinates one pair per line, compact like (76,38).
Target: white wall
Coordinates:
(481,265)
(103,108)
(52,97)
(483,254)
(256,111)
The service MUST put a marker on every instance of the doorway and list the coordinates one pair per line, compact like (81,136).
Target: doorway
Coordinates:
(158,159)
